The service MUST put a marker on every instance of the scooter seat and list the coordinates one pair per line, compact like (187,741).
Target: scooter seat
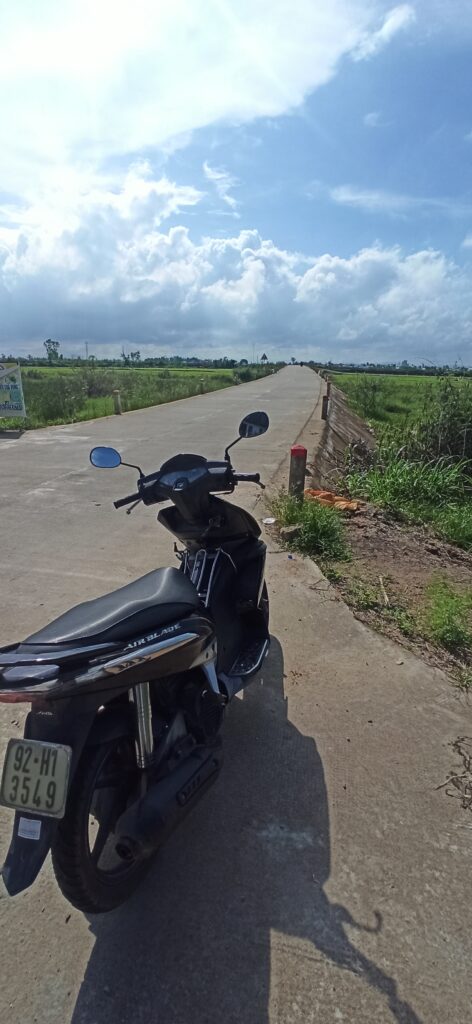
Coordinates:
(160,597)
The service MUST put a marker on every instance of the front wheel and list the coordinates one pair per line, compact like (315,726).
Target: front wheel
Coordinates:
(88,869)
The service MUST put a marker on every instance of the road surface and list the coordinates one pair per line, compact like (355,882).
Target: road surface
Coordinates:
(64,539)
(325,878)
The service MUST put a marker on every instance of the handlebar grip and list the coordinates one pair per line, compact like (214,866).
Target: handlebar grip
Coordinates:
(128,500)
(248,478)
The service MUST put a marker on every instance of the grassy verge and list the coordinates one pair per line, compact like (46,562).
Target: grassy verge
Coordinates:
(440,622)
(448,618)
(70,395)
(436,493)
(443,619)
(321,531)
(389,399)
(421,470)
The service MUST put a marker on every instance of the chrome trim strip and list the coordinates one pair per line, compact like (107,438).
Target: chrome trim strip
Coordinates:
(56,653)
(138,656)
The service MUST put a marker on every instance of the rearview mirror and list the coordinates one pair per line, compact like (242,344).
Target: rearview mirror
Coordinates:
(105,458)
(253,424)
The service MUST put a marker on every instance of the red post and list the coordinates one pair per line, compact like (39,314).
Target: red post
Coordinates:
(296,480)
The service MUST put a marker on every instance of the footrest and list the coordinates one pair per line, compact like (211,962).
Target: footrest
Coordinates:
(251,659)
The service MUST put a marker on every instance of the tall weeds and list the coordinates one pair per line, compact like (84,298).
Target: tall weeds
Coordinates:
(422,470)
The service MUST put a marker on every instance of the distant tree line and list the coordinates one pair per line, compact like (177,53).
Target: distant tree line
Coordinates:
(53,357)
(402,369)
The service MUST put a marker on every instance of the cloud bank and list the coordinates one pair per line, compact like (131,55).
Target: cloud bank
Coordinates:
(94,242)
(111,270)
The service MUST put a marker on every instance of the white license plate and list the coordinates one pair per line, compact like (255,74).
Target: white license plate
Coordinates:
(35,777)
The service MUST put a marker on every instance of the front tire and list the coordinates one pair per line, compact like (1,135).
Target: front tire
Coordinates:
(88,870)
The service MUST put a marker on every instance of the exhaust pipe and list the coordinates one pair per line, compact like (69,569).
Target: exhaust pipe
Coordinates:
(144,826)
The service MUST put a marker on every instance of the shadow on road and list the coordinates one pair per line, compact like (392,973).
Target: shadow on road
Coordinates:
(194,942)
(10,433)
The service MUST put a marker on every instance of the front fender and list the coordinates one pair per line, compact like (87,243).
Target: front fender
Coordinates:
(75,724)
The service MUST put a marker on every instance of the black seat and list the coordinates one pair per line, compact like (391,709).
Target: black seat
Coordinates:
(160,597)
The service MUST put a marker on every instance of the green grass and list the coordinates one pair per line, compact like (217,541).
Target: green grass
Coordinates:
(422,467)
(385,398)
(364,597)
(174,371)
(420,493)
(322,532)
(388,398)
(448,617)
(452,521)
(405,621)
(55,395)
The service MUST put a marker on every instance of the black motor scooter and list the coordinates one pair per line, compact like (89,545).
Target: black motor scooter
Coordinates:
(128,692)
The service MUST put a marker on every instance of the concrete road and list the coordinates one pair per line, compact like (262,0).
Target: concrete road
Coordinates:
(64,540)
(325,878)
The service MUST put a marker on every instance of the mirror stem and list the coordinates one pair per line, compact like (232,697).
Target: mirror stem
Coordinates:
(230,446)
(132,466)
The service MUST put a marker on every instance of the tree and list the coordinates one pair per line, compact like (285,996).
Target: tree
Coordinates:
(52,350)
(264,358)
(135,357)
(293,360)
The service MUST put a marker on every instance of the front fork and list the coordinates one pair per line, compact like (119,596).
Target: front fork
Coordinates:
(141,699)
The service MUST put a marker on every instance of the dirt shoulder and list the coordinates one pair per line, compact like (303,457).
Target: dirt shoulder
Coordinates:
(387,580)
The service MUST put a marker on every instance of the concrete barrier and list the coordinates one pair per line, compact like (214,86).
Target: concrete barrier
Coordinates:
(342,428)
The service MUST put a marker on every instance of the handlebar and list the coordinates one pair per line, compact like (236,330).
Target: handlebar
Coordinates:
(149,493)
(128,500)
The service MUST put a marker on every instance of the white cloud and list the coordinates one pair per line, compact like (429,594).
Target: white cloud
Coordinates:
(82,81)
(79,224)
(380,201)
(395,21)
(222,181)
(117,273)
(373,119)
(86,250)
(467,243)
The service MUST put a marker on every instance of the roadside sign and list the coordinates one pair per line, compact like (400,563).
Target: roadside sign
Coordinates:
(12,402)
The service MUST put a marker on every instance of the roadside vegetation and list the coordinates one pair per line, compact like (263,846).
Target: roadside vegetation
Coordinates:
(64,394)
(317,529)
(384,398)
(421,469)
(447,617)
(405,566)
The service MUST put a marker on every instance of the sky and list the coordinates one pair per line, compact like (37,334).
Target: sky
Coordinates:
(209,177)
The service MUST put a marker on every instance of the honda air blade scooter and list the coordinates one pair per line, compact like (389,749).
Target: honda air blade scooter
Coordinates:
(128,691)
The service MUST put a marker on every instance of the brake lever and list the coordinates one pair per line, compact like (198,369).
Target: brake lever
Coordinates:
(130,509)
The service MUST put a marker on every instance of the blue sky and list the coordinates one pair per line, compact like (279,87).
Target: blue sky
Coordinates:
(214,178)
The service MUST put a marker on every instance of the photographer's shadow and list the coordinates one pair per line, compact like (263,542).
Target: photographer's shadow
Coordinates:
(193,944)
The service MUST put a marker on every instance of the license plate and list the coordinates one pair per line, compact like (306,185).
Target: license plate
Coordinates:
(35,777)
